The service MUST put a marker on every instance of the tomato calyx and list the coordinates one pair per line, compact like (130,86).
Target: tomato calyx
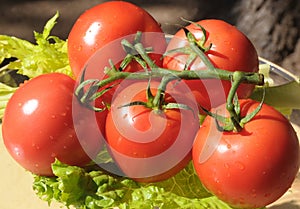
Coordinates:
(157,101)
(193,42)
(132,53)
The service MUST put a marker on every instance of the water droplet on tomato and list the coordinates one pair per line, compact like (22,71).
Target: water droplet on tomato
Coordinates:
(53,116)
(36,165)
(217,181)
(53,155)
(253,193)
(63,114)
(70,135)
(227,42)
(219,192)
(240,165)
(35,146)
(226,165)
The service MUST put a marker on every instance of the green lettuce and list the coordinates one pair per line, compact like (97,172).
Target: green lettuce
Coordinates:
(285,97)
(48,54)
(95,189)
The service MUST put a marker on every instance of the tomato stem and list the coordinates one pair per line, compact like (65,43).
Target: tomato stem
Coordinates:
(167,75)
(160,94)
(237,79)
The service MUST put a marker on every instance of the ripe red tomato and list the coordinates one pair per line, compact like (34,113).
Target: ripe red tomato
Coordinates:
(251,168)
(107,22)
(230,50)
(147,144)
(44,121)
(97,63)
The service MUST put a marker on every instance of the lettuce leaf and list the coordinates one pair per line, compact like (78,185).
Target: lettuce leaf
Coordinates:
(5,93)
(285,96)
(48,54)
(84,189)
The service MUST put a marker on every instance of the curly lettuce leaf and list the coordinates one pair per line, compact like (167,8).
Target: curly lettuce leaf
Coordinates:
(84,189)
(48,54)
(5,93)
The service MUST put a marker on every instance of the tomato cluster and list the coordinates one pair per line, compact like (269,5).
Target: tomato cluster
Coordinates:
(150,130)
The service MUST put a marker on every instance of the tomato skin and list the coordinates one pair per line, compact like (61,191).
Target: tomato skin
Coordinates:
(231,50)
(149,146)
(38,125)
(106,22)
(254,167)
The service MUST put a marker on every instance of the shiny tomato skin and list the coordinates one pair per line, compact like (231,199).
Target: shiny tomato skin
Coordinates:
(107,22)
(149,145)
(39,126)
(231,50)
(254,167)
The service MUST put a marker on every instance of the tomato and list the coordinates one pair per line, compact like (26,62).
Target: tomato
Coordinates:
(107,22)
(96,66)
(230,50)
(251,168)
(44,121)
(148,144)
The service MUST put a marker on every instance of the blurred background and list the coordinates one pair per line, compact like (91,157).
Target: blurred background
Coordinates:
(272,25)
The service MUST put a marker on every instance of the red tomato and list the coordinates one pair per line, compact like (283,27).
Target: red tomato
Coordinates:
(95,68)
(230,50)
(43,121)
(251,168)
(150,145)
(107,22)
